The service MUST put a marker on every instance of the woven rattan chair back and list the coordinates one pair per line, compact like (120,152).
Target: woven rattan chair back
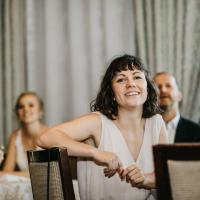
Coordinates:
(50,174)
(177,170)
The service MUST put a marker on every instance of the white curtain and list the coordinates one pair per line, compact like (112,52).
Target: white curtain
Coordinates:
(67,45)
(168,34)
(12,63)
(70,43)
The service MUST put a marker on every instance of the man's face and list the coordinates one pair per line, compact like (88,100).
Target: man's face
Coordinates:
(169,93)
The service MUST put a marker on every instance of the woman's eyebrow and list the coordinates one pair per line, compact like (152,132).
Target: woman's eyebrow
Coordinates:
(120,74)
(137,72)
(134,72)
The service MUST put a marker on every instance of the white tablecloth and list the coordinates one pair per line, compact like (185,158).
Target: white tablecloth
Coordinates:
(19,188)
(15,188)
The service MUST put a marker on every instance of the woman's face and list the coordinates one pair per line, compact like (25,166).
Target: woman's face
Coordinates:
(29,109)
(130,88)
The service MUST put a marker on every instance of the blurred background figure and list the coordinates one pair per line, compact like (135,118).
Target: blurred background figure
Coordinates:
(29,109)
(179,129)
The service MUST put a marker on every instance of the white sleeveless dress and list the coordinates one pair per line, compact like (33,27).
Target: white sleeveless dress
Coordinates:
(21,157)
(93,185)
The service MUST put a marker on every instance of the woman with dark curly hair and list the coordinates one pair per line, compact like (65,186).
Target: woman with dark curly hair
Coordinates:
(123,126)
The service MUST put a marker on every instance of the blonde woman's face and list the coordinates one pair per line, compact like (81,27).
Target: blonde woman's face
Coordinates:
(29,109)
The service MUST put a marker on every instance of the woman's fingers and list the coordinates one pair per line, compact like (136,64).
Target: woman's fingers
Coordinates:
(114,162)
(108,173)
(134,175)
(114,165)
(136,178)
(109,159)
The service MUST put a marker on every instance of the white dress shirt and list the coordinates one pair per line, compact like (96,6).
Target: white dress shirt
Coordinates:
(171,128)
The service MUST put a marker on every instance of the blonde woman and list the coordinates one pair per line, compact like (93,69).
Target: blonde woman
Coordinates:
(29,109)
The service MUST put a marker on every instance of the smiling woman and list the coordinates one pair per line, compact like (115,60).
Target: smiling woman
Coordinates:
(29,109)
(123,125)
(130,87)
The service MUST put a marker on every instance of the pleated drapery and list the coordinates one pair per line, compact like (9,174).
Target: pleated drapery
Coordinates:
(60,49)
(12,62)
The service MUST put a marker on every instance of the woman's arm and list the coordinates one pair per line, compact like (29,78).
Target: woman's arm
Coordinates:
(149,178)
(10,162)
(70,135)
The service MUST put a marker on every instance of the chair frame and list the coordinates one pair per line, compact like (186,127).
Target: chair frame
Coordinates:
(61,156)
(164,152)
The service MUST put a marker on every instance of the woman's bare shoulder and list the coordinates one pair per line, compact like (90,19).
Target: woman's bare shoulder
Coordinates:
(15,133)
(94,117)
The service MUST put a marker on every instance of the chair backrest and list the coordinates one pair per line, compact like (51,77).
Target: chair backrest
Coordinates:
(177,170)
(50,174)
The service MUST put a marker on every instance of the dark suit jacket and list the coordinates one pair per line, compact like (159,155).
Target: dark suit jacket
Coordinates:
(187,131)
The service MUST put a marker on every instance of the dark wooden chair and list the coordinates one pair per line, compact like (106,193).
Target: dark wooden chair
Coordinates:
(177,170)
(50,174)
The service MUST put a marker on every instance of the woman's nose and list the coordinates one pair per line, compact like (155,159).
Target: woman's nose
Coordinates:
(130,83)
(26,108)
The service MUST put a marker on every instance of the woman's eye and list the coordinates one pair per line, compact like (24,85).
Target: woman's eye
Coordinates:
(138,77)
(31,105)
(120,80)
(20,106)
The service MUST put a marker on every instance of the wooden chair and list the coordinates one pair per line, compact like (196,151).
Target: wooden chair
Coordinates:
(177,170)
(50,174)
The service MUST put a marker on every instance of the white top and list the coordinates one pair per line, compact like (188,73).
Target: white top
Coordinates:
(92,182)
(171,128)
(21,157)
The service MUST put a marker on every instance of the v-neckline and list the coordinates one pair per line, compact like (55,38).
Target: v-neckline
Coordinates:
(142,144)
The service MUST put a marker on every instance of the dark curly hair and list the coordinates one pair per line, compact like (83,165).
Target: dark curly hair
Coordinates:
(105,102)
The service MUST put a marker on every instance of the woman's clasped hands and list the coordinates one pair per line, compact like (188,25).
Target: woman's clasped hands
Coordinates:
(132,174)
(110,160)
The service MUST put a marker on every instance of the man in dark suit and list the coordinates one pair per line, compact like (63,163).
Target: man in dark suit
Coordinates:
(179,128)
